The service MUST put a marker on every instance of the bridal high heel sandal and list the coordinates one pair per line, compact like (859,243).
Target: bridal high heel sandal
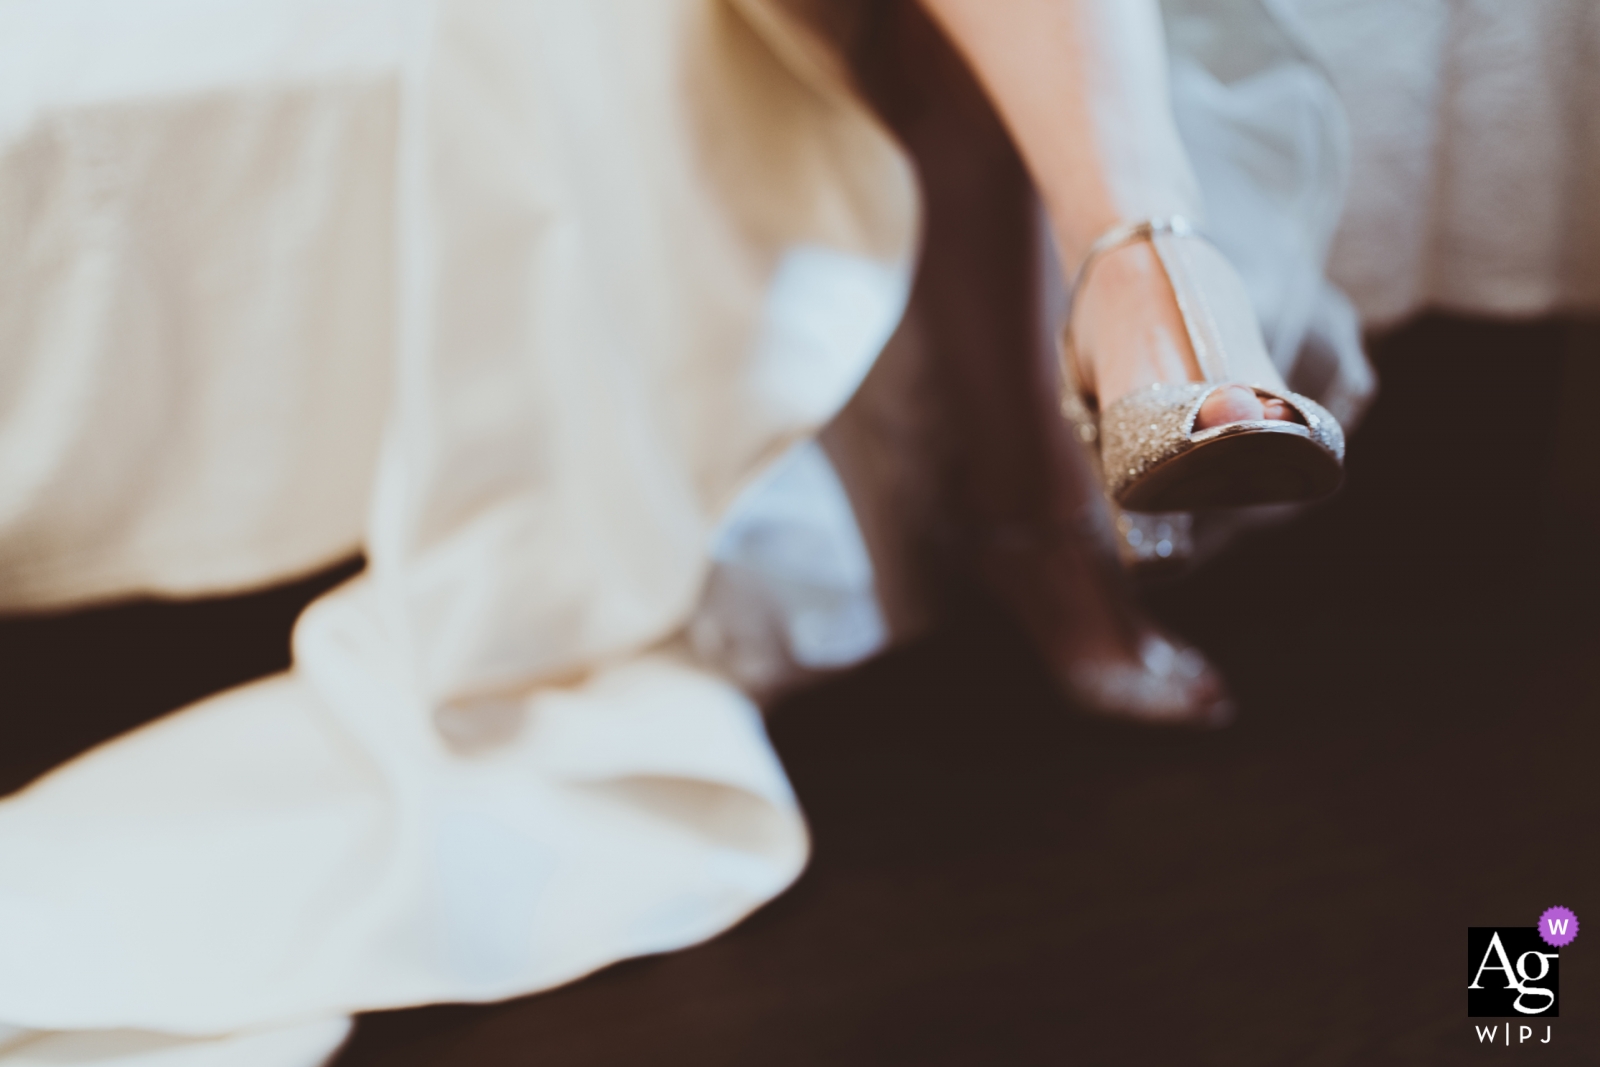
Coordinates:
(1152,458)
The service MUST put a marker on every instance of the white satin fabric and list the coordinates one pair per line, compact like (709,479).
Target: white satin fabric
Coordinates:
(515,296)
(1475,152)
(303,1045)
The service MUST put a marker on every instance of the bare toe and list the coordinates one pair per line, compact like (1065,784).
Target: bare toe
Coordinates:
(1278,409)
(1231,403)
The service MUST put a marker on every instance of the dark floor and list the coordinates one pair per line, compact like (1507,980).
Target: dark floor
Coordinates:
(1419,669)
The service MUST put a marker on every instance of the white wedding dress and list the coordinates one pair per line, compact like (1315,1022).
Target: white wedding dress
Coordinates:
(536,304)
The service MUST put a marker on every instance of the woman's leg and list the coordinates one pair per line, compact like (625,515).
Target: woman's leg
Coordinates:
(1022,485)
(1082,86)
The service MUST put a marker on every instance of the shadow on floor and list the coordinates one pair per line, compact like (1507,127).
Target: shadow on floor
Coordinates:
(1419,668)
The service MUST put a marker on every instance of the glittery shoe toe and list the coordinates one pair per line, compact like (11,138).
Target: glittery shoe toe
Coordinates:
(1153,458)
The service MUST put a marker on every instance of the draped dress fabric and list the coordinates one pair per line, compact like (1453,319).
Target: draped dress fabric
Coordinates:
(516,297)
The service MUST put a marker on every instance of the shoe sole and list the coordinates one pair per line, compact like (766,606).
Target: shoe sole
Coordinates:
(1239,467)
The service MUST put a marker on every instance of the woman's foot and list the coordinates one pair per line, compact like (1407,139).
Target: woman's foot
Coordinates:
(1129,334)
(1071,600)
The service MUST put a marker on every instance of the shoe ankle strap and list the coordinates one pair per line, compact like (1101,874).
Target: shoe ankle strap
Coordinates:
(1123,233)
